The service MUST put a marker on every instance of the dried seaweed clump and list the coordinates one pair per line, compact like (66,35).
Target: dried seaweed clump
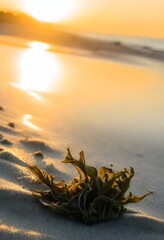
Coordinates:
(92,197)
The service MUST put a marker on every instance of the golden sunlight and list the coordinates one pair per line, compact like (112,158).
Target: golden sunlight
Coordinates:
(27,121)
(39,69)
(49,10)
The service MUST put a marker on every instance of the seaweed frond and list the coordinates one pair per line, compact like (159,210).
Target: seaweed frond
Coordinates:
(94,196)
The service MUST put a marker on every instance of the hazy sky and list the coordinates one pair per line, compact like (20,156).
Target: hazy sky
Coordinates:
(121,17)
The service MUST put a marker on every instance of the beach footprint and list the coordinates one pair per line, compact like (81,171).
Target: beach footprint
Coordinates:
(4,141)
(40,146)
(11,157)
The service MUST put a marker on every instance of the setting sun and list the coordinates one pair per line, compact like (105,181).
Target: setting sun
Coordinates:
(49,10)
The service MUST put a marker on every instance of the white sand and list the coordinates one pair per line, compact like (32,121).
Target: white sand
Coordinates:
(22,217)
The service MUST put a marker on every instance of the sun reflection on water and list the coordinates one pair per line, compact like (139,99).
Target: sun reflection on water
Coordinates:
(27,121)
(39,69)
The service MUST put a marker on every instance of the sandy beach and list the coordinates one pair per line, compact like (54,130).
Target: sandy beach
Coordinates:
(22,217)
(121,124)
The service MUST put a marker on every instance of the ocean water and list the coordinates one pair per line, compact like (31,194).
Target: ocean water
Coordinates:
(90,103)
(156,44)
(81,97)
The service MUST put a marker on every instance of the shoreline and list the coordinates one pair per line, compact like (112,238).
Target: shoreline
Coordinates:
(86,46)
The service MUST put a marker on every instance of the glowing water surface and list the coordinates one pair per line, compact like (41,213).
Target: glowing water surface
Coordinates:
(38,68)
(27,121)
(86,97)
